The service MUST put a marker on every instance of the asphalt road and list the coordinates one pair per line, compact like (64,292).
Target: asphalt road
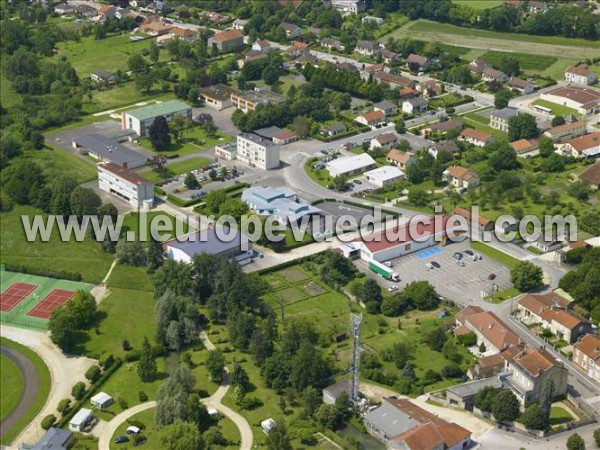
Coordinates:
(31,384)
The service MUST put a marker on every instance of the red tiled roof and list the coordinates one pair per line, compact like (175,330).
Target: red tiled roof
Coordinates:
(535,361)
(589,345)
(493,329)
(584,142)
(475,134)
(579,70)
(536,303)
(399,156)
(228,35)
(592,174)
(372,116)
(483,221)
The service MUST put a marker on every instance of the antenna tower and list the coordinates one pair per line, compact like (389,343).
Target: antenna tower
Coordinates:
(355,321)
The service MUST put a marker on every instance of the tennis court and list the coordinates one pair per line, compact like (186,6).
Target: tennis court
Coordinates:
(15,294)
(53,300)
(429,252)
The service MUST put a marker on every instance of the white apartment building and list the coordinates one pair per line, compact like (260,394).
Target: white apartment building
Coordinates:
(257,151)
(127,185)
(351,6)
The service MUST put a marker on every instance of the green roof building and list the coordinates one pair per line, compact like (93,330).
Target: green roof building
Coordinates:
(141,119)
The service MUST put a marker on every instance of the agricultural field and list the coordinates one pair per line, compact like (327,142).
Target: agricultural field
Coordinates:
(560,47)
(526,61)
(479,4)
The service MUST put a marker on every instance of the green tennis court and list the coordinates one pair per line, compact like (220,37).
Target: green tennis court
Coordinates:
(21,301)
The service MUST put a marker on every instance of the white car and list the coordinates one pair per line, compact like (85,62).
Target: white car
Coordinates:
(393,288)
(389,264)
(429,265)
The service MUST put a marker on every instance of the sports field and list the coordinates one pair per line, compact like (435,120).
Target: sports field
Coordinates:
(28,300)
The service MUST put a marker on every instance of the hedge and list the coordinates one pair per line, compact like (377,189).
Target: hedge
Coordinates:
(90,392)
(287,264)
(60,274)
(183,203)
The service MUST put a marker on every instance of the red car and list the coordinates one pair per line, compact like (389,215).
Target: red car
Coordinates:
(491,276)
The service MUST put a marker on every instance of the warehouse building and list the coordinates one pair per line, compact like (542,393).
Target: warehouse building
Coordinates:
(104,149)
(585,100)
(141,119)
(351,165)
(384,176)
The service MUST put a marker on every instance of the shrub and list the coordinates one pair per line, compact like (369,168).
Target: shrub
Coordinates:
(107,361)
(452,371)
(93,374)
(48,421)
(122,403)
(126,345)
(133,355)
(63,405)
(78,390)
(143,396)
(468,339)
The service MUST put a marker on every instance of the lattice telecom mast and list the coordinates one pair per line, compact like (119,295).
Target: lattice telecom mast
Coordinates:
(355,321)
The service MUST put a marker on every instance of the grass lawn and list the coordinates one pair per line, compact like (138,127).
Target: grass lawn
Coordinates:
(40,398)
(9,96)
(478,125)
(557,110)
(506,294)
(479,4)
(491,252)
(131,278)
(56,161)
(392,21)
(559,416)
(177,168)
(132,223)
(122,95)
(319,176)
(84,257)
(194,140)
(12,384)
(526,60)
(129,314)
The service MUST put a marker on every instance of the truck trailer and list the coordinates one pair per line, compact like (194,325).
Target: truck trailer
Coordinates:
(383,271)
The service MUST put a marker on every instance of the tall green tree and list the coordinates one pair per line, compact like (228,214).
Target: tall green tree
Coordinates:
(278,438)
(575,442)
(506,406)
(62,187)
(522,126)
(215,364)
(159,133)
(526,276)
(84,201)
(172,396)
(371,296)
(147,369)
(181,436)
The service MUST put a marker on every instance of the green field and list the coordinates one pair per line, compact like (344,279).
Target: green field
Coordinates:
(12,384)
(18,315)
(56,161)
(42,395)
(526,61)
(559,416)
(121,95)
(194,140)
(479,4)
(491,252)
(84,257)
(557,110)
(132,223)
(478,125)
(177,168)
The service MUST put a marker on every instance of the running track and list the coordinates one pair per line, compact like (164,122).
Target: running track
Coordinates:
(31,385)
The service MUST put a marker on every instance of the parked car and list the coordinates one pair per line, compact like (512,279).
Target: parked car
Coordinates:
(429,265)
(139,441)
(457,255)
(393,288)
(435,264)
(491,276)
(121,439)
(460,262)
(389,264)
(357,182)
(469,252)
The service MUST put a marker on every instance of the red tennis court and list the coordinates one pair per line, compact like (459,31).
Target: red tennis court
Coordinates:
(14,294)
(50,302)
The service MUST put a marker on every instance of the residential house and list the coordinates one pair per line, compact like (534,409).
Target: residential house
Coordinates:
(530,369)
(103,76)
(586,354)
(107,11)
(218,96)
(371,19)
(330,44)
(159,7)
(305,58)
(400,159)
(389,57)
(552,312)
(591,175)
(315,31)
(285,137)
(566,131)
(490,330)
(490,74)
(351,165)
(346,66)
(155,28)
(547,245)
(437,148)
(367,48)
(402,425)
(475,137)
(430,88)
(298,48)
(477,219)
(387,107)
(407,93)
(414,105)
(370,71)
(371,118)
(524,146)
(350,6)
(393,81)
(580,75)
(417,62)
(587,146)
(499,118)
(184,34)
(478,66)
(463,395)
(442,127)
(239,24)
(291,29)
(333,130)
(63,8)
(55,439)
(384,176)
(252,55)
(384,141)
(85,10)
(227,40)
(523,87)
(460,177)
(486,366)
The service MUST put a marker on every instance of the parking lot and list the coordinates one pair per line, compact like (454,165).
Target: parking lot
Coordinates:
(455,282)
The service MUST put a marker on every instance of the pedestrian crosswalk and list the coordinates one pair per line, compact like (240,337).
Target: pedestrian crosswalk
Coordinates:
(593,400)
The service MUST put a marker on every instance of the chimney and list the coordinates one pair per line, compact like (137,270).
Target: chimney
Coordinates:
(125,165)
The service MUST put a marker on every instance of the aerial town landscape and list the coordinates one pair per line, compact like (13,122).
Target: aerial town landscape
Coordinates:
(300,224)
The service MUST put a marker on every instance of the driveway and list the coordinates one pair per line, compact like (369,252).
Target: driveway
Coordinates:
(65,371)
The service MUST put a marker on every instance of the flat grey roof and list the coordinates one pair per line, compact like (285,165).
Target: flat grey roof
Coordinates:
(504,113)
(207,241)
(110,150)
(471,388)
(269,132)
(54,439)
(257,139)
(390,419)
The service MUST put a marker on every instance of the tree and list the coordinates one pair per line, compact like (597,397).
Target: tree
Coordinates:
(61,330)
(154,52)
(484,398)
(215,364)
(526,276)
(501,98)
(215,198)
(504,158)
(130,253)
(546,147)
(159,133)
(533,418)
(144,81)
(597,437)
(63,405)
(522,126)
(62,188)
(418,196)
(78,390)
(191,182)
(400,126)
(506,406)
(278,438)
(301,125)
(339,182)
(546,399)
(421,295)
(436,339)
(181,436)
(394,305)
(93,374)
(178,125)
(136,63)
(311,400)
(328,416)
(84,202)
(575,442)
(48,421)
(553,163)
(147,369)
(580,190)
(173,395)
(155,255)
(557,121)
(371,296)
(510,66)
(409,371)
(239,377)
